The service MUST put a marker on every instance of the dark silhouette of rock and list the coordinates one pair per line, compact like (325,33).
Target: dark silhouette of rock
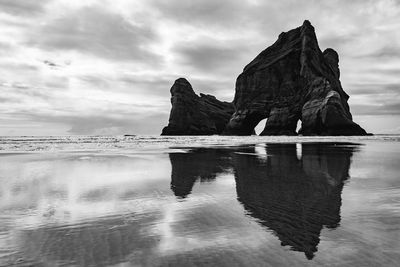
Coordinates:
(289,81)
(201,164)
(195,115)
(293,194)
(295,197)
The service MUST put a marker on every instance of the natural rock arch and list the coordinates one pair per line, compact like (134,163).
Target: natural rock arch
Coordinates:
(289,81)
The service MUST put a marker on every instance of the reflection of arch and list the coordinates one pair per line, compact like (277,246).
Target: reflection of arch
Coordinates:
(294,197)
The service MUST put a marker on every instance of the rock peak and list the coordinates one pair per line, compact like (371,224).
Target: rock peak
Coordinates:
(195,115)
(181,87)
(182,80)
(307,23)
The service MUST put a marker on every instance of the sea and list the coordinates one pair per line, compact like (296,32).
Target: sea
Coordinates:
(199,201)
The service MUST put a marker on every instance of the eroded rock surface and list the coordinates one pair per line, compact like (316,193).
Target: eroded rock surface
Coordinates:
(195,115)
(289,81)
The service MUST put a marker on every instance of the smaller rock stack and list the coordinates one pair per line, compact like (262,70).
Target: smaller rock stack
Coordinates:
(195,115)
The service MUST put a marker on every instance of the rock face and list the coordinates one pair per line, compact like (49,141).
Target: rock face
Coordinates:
(195,115)
(289,81)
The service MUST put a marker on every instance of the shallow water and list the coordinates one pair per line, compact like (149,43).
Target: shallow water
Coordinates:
(154,201)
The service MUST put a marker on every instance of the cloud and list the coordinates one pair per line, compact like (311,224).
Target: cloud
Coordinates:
(9,99)
(23,7)
(96,31)
(386,52)
(201,13)
(339,42)
(5,48)
(51,64)
(21,91)
(76,62)
(18,66)
(395,130)
(374,88)
(103,124)
(222,89)
(210,57)
(379,109)
(158,85)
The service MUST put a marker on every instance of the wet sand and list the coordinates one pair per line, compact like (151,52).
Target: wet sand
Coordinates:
(269,204)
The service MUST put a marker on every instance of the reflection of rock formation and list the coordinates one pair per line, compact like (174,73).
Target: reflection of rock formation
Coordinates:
(293,197)
(203,164)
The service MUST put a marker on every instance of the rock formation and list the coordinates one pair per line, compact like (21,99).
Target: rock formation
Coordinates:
(289,81)
(195,115)
(200,164)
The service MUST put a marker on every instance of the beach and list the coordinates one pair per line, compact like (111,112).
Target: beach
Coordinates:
(195,201)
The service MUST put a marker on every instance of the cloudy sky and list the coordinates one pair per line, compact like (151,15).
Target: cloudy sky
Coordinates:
(106,66)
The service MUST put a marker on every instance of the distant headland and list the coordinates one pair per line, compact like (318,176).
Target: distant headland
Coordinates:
(289,81)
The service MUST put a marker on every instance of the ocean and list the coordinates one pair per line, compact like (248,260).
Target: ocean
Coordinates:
(199,201)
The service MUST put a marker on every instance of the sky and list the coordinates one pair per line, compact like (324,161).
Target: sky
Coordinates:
(106,66)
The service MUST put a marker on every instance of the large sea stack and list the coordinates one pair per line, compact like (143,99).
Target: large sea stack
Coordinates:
(289,81)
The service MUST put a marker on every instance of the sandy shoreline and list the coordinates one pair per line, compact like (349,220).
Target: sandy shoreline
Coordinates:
(136,143)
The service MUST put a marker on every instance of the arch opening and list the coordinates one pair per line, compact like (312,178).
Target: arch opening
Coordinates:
(298,127)
(260,126)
